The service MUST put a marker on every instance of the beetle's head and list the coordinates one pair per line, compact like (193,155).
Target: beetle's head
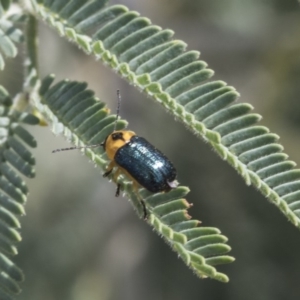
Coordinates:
(116,140)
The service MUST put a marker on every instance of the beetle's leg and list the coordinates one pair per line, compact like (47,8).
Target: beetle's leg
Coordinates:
(116,175)
(118,190)
(144,210)
(136,190)
(107,173)
(109,168)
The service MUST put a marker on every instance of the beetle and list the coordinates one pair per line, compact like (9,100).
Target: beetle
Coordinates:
(137,159)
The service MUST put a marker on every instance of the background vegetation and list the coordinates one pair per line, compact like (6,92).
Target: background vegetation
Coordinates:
(80,242)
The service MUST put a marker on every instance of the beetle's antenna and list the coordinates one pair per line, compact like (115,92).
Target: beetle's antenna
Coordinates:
(118,108)
(73,148)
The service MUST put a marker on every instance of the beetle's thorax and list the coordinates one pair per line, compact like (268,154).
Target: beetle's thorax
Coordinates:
(116,140)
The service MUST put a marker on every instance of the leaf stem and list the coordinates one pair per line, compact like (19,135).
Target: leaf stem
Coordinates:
(31,60)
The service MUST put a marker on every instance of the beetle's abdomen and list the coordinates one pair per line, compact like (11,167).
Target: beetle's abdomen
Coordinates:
(147,165)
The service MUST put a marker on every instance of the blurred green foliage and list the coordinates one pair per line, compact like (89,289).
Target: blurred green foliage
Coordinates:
(76,246)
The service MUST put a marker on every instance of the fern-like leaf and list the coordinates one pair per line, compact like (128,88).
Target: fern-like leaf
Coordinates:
(148,58)
(15,159)
(75,112)
(9,34)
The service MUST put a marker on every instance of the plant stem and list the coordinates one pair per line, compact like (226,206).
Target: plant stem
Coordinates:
(31,61)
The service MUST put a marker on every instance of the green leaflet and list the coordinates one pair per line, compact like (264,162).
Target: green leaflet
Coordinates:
(9,34)
(15,159)
(74,111)
(149,59)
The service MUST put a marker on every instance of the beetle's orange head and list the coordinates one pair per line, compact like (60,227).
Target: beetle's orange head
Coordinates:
(116,140)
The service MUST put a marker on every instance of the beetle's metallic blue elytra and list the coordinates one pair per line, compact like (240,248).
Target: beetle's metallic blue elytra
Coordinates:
(147,165)
(140,161)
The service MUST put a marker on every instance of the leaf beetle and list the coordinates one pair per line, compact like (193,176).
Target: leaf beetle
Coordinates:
(137,159)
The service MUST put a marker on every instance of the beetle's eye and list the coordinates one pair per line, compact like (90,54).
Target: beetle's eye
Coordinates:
(117,136)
